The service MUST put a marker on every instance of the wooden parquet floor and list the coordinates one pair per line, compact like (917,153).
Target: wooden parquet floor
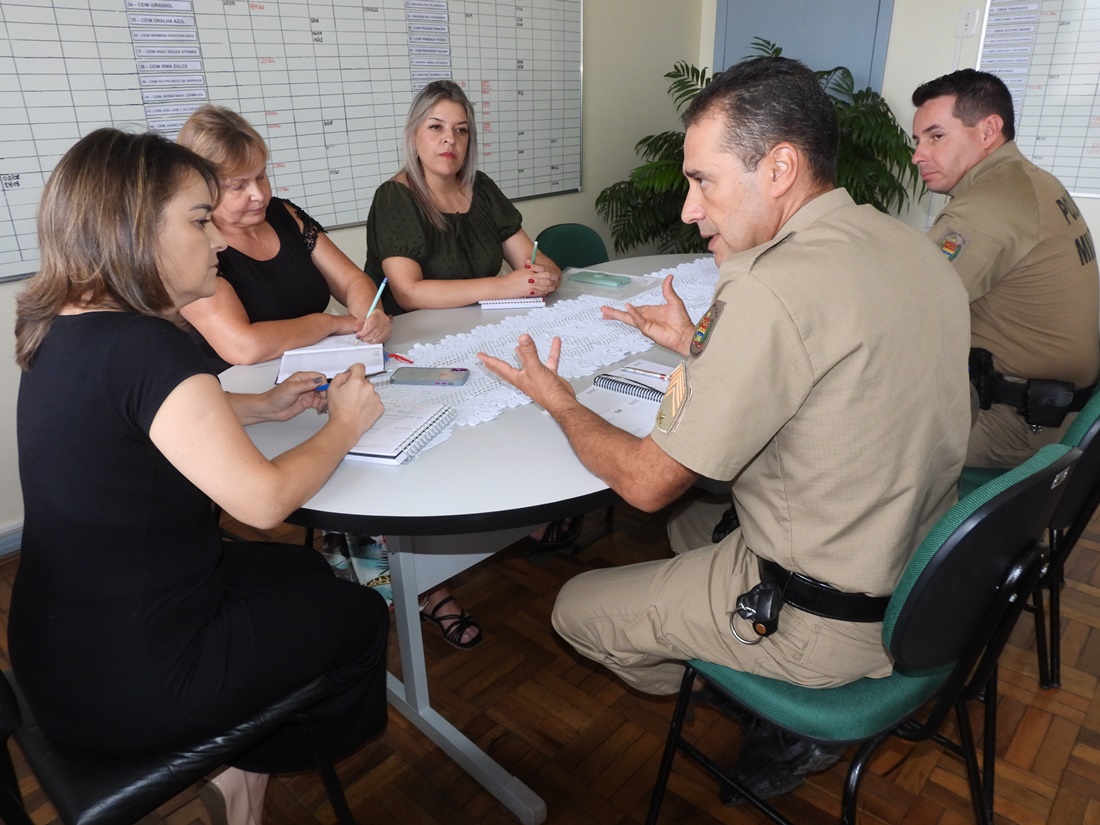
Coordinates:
(590,747)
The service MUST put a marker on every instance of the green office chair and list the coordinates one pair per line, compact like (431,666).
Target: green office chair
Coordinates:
(1074,511)
(945,627)
(572,244)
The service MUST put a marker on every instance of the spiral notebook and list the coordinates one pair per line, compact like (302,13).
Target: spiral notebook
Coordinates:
(512,303)
(402,432)
(627,399)
(634,379)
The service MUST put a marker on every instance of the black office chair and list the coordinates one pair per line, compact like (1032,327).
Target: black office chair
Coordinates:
(94,789)
(946,624)
(1071,517)
(572,244)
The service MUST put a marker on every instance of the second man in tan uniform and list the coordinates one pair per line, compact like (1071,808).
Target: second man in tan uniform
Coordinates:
(1018,242)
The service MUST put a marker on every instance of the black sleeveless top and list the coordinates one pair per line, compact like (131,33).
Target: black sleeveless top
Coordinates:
(286,286)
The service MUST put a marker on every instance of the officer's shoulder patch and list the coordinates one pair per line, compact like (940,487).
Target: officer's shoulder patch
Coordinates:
(705,327)
(952,245)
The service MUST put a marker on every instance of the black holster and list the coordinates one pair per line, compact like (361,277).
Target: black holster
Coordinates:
(1042,402)
(982,375)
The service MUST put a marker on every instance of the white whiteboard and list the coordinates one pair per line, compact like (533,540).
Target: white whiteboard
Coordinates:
(1048,54)
(326,82)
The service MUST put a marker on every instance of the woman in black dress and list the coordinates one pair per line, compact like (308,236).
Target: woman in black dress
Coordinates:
(126,599)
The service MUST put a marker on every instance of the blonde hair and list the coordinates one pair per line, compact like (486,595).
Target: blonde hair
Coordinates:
(99,227)
(224,138)
(414,173)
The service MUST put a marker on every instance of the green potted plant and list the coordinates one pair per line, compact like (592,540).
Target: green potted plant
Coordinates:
(873,163)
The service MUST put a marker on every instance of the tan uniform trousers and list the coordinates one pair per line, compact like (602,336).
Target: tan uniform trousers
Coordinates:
(1000,438)
(643,620)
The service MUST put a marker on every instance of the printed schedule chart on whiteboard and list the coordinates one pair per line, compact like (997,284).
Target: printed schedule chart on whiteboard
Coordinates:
(327,83)
(1048,54)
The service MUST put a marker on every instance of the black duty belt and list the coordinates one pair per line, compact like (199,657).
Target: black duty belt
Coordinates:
(1043,402)
(1014,393)
(822,600)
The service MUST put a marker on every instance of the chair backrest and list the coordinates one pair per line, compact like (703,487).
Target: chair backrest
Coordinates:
(9,710)
(100,789)
(11,802)
(572,244)
(1082,494)
(955,584)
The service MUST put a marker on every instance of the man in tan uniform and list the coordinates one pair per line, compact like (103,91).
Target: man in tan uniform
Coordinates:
(1026,258)
(826,383)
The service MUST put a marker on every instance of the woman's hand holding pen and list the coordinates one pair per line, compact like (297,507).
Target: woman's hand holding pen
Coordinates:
(375,328)
(353,399)
(294,395)
(376,324)
(534,280)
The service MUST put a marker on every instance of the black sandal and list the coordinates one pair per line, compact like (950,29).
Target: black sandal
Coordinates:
(460,623)
(562,532)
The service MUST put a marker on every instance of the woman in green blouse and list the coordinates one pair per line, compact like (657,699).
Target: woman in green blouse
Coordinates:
(439,229)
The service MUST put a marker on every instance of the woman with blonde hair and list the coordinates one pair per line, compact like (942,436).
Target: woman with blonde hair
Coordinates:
(440,229)
(280,268)
(126,599)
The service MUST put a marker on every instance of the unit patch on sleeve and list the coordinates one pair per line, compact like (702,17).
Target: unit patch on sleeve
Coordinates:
(704,328)
(952,245)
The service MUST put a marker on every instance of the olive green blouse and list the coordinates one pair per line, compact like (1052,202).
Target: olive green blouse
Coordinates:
(470,246)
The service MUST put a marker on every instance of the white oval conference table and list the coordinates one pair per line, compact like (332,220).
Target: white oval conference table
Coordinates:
(454,504)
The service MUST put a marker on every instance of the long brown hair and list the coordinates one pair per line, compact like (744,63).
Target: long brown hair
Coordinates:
(98,229)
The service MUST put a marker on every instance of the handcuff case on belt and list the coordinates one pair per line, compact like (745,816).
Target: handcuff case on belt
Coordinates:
(760,606)
(1043,402)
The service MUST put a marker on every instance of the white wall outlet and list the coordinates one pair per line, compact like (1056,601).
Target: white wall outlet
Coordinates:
(968,22)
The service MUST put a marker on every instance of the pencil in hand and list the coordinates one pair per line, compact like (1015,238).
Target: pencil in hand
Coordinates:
(374,303)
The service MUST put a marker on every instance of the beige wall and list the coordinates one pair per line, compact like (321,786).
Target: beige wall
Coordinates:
(628,46)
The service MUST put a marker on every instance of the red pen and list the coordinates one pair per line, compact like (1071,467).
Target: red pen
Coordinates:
(400,358)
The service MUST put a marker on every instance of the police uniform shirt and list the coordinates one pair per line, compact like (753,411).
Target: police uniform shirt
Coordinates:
(828,381)
(1027,260)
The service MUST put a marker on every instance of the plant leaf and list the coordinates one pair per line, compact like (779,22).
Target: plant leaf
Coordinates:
(873,162)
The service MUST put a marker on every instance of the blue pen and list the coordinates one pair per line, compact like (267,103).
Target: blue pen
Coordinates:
(323,387)
(374,303)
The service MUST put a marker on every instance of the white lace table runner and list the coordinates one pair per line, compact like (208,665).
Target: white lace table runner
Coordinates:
(588,343)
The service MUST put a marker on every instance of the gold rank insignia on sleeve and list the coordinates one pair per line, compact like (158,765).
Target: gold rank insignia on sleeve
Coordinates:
(952,245)
(704,328)
(674,399)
